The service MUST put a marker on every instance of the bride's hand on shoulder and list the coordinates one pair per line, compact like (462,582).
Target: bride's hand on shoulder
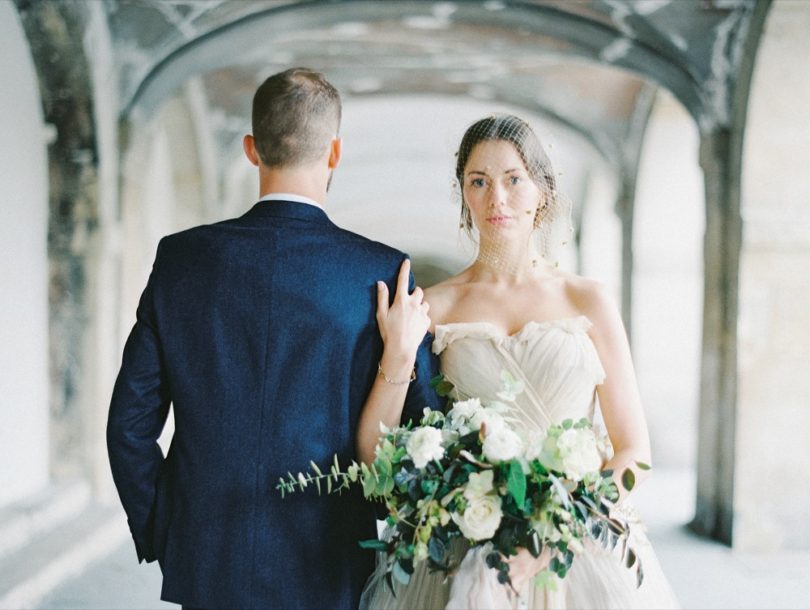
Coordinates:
(404,322)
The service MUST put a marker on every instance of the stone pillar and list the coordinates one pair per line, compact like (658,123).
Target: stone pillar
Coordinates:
(624,210)
(718,389)
(720,158)
(577,218)
(55,31)
(772,452)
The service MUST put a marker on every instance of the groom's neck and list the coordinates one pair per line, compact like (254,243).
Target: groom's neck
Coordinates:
(304,180)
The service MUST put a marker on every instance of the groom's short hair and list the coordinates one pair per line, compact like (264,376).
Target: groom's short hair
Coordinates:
(296,114)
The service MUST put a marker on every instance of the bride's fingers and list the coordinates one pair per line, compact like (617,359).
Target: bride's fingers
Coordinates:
(382,301)
(524,566)
(418,295)
(403,279)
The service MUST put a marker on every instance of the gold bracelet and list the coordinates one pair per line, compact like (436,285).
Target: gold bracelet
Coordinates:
(394,381)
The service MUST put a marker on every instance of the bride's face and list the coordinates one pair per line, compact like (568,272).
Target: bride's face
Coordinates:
(502,197)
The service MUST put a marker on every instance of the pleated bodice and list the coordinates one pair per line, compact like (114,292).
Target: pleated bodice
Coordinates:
(556,361)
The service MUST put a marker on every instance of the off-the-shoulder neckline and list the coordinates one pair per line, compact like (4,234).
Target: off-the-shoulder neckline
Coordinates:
(566,321)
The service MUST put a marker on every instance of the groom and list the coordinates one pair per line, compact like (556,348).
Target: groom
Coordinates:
(261,331)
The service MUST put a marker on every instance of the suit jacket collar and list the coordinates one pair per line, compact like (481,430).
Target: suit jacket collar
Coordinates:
(288,209)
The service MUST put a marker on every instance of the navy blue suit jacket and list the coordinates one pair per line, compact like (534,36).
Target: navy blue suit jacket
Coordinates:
(261,332)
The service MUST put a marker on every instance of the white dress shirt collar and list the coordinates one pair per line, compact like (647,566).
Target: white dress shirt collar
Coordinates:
(290,197)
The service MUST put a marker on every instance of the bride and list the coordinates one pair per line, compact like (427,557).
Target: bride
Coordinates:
(559,333)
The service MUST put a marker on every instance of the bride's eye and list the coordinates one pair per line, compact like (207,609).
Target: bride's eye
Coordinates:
(477,182)
(514,180)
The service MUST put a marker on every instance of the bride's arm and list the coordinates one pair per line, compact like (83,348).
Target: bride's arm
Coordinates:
(403,325)
(619,397)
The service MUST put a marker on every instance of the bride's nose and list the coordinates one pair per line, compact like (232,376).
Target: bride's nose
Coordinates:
(496,195)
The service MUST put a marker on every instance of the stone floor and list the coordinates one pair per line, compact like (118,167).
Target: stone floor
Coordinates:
(703,574)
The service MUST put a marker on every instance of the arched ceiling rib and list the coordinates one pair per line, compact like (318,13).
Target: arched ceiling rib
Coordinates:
(586,65)
(692,48)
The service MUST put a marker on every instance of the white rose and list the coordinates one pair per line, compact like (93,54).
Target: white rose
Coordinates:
(491,420)
(461,414)
(502,445)
(466,408)
(481,518)
(424,445)
(478,485)
(579,452)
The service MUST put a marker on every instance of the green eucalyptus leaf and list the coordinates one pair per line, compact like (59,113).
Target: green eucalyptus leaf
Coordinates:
(630,559)
(535,546)
(437,550)
(516,483)
(628,479)
(374,544)
(445,388)
(369,484)
(642,465)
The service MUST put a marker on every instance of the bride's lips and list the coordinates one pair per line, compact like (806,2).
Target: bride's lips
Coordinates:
(498,219)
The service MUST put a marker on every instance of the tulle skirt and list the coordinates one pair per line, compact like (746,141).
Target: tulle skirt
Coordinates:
(597,580)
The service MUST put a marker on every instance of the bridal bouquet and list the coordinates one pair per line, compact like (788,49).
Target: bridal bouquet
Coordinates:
(472,474)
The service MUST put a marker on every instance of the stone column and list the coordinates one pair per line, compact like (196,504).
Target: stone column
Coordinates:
(722,132)
(624,210)
(718,389)
(55,31)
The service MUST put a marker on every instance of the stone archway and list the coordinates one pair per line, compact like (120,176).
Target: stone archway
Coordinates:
(709,78)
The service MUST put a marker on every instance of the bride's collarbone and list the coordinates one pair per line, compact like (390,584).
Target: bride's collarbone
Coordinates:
(506,322)
(508,310)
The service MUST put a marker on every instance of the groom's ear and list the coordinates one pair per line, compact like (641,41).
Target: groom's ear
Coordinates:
(249,145)
(335,151)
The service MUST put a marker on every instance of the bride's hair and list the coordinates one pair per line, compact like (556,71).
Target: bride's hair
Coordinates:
(516,131)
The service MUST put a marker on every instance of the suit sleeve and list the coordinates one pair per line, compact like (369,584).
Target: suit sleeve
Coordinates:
(420,393)
(138,410)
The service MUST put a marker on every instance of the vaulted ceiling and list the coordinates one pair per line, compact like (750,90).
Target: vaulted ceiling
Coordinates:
(590,66)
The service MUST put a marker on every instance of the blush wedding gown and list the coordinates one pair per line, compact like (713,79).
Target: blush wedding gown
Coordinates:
(560,368)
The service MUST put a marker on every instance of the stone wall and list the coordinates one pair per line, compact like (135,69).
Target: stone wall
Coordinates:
(773,452)
(23,269)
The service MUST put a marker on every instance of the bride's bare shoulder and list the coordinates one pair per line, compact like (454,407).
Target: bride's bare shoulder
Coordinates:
(443,296)
(593,299)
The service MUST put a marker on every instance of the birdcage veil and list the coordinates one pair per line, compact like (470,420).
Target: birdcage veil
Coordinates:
(548,208)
